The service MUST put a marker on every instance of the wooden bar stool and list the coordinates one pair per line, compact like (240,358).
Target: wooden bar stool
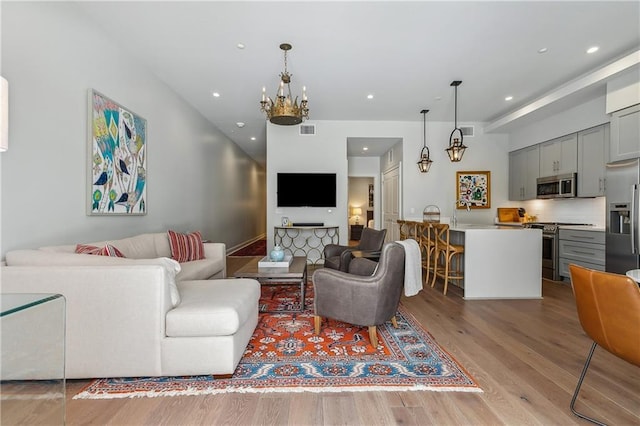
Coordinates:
(412,230)
(427,244)
(445,255)
(403,229)
(408,229)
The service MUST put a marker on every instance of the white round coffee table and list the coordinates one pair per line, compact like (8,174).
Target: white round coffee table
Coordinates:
(634,274)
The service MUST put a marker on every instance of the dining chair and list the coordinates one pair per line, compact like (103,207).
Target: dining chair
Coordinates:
(609,312)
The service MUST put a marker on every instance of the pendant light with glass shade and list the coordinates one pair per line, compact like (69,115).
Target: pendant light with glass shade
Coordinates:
(456,147)
(425,162)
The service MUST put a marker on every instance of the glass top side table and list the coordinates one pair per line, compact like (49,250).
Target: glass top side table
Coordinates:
(32,373)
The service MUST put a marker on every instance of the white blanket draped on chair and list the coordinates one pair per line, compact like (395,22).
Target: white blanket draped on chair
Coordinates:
(412,267)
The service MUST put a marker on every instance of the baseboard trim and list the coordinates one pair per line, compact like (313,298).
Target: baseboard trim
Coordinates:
(245,243)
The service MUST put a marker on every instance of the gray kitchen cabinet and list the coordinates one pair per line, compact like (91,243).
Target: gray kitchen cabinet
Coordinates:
(523,172)
(581,247)
(559,156)
(625,134)
(593,156)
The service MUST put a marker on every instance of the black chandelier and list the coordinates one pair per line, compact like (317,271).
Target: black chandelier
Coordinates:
(456,147)
(425,162)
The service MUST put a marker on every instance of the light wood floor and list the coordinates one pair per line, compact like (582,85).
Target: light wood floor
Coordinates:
(526,355)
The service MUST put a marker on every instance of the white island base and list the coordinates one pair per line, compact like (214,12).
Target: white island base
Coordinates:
(500,262)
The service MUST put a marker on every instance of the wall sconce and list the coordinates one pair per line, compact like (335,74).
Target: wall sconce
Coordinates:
(4,114)
(357,211)
(456,147)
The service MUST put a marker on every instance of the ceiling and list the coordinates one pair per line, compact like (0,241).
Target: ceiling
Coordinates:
(405,54)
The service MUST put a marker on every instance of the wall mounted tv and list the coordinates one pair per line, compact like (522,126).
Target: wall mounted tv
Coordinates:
(306,190)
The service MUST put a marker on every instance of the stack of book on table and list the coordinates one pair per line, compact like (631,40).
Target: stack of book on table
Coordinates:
(266,262)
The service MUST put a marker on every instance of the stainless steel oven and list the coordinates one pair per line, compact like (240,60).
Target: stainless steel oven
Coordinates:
(550,258)
(550,247)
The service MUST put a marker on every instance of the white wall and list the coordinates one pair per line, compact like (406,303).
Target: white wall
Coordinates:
(287,151)
(326,152)
(198,179)
(624,90)
(575,210)
(581,117)
(485,152)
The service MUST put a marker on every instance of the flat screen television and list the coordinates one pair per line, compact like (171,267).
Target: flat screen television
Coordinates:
(306,190)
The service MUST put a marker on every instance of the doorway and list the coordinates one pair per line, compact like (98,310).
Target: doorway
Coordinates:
(360,206)
(391,183)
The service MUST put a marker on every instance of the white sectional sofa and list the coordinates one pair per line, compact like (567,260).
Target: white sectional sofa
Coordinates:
(145,314)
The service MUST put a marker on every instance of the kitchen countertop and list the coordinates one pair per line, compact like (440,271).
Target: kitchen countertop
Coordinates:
(584,227)
(463,227)
(510,269)
(500,262)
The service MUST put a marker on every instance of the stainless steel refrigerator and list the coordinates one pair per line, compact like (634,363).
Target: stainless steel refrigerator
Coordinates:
(622,241)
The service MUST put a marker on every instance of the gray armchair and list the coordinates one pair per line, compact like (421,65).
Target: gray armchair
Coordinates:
(364,300)
(338,257)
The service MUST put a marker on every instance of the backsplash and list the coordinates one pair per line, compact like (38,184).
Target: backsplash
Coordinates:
(574,210)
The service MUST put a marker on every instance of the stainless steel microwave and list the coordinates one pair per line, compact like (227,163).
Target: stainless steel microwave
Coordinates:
(561,186)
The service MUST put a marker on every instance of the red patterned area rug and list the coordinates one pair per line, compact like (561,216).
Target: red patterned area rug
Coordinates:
(257,248)
(285,355)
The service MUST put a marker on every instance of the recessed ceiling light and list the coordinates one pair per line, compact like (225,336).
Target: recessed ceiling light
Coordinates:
(542,50)
(240,124)
(240,45)
(364,148)
(508,98)
(253,138)
(593,49)
(370,96)
(216,94)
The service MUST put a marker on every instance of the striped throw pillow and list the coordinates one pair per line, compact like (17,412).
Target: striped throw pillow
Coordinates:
(186,247)
(107,250)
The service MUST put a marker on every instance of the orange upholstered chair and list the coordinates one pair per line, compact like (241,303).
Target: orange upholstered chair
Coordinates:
(609,312)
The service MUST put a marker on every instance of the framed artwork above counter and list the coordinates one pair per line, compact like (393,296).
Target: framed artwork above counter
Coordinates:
(473,189)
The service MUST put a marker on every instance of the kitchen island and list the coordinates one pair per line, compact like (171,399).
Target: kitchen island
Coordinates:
(500,262)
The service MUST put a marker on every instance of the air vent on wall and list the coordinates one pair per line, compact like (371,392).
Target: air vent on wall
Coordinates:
(467,131)
(308,129)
